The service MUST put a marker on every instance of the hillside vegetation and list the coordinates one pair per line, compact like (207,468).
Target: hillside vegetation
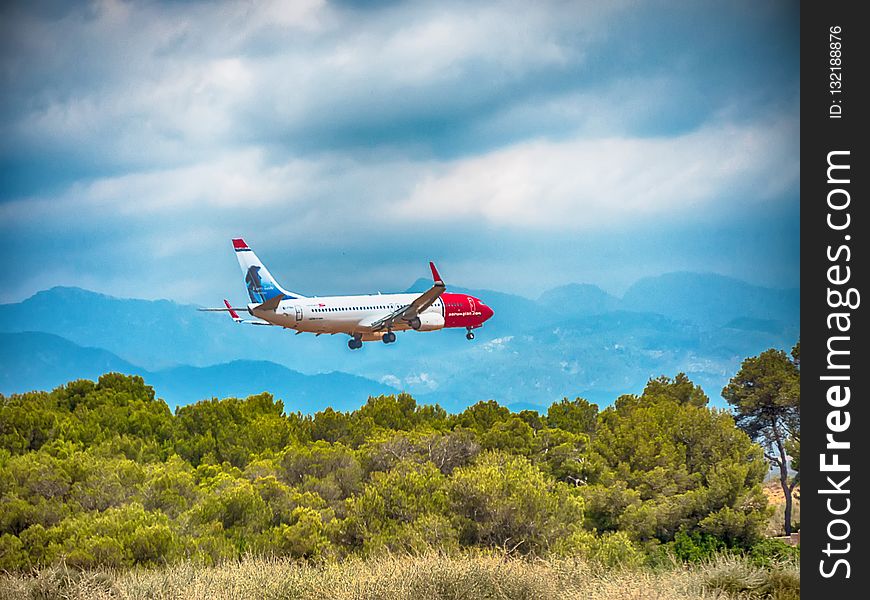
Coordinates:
(102,474)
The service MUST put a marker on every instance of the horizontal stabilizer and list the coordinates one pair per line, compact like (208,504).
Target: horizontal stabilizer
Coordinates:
(231,309)
(234,314)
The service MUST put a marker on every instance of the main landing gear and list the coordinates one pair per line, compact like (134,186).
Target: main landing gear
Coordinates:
(469,335)
(355,343)
(389,337)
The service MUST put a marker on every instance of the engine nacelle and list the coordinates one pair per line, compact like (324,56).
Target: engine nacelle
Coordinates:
(427,322)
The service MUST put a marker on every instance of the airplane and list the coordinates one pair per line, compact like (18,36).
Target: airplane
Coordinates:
(364,318)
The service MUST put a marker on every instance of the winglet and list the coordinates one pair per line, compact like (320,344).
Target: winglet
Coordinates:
(435,275)
(233,313)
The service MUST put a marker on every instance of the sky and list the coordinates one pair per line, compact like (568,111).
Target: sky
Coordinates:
(520,145)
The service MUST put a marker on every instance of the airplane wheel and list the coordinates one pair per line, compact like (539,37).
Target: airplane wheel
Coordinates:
(469,336)
(392,337)
(386,338)
(354,344)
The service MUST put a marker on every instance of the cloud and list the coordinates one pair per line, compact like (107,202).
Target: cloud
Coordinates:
(351,142)
(582,184)
(421,380)
(497,343)
(339,223)
(148,85)
(392,381)
(575,184)
(416,381)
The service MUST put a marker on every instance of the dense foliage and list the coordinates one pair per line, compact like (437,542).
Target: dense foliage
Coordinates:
(102,473)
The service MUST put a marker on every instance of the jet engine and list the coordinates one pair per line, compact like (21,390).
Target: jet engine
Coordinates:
(427,322)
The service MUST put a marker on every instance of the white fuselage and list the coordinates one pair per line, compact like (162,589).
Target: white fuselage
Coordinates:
(365,317)
(341,314)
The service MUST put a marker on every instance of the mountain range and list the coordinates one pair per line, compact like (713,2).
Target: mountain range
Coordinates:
(573,340)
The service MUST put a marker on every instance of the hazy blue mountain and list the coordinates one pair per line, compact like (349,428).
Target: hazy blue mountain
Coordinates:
(42,361)
(241,378)
(706,298)
(763,325)
(152,334)
(578,299)
(575,340)
(156,334)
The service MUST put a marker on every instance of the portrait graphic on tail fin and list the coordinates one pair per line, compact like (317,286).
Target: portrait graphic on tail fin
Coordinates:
(260,289)
(254,284)
(259,282)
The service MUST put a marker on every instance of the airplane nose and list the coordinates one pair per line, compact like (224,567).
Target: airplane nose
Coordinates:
(486,312)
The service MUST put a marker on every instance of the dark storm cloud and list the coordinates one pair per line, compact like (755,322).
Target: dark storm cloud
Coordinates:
(378,136)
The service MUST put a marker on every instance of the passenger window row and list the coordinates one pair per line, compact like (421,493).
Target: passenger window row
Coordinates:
(337,308)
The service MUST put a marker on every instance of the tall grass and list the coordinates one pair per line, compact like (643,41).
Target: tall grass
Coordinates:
(432,576)
(739,578)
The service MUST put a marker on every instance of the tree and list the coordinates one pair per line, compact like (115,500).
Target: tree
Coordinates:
(331,470)
(399,412)
(566,456)
(680,388)
(446,450)
(330,425)
(232,429)
(401,510)
(577,416)
(670,464)
(513,436)
(505,501)
(482,416)
(765,394)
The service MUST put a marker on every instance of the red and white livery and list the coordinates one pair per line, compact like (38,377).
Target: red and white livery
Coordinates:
(365,318)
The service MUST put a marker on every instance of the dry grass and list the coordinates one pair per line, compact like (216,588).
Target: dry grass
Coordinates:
(411,578)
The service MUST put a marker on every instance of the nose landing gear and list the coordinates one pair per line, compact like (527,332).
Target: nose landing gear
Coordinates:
(469,335)
(389,337)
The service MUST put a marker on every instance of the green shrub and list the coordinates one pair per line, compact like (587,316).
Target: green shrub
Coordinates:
(770,552)
(505,501)
(615,550)
(695,546)
(13,556)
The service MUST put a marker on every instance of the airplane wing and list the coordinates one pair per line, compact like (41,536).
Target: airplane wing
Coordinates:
(410,311)
(234,315)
